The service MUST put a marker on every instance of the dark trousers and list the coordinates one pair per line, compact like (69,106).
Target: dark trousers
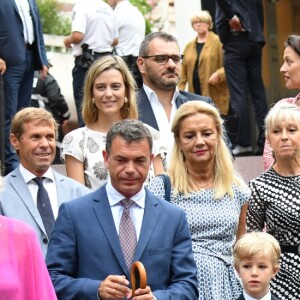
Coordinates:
(132,65)
(78,75)
(17,83)
(242,61)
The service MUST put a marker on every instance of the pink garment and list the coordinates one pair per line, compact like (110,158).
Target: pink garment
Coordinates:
(23,272)
(268,158)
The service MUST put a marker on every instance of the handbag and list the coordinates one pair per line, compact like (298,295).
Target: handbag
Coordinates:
(167,185)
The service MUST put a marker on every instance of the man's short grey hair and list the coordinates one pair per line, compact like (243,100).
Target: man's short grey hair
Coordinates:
(130,131)
(144,48)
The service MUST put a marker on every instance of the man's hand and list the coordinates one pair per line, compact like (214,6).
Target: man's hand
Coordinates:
(2,66)
(67,41)
(235,24)
(114,287)
(44,72)
(142,294)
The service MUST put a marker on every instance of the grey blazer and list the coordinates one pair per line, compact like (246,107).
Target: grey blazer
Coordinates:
(16,200)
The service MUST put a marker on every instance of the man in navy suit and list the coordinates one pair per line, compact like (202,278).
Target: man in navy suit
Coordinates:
(85,257)
(21,52)
(239,24)
(159,62)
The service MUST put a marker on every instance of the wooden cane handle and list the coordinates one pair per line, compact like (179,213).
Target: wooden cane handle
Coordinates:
(138,277)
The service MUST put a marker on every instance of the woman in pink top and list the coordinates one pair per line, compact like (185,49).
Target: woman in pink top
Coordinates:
(291,72)
(23,272)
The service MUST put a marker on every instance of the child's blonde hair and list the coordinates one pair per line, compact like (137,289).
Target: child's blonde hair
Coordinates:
(256,243)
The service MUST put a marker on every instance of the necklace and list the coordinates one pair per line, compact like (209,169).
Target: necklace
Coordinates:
(204,185)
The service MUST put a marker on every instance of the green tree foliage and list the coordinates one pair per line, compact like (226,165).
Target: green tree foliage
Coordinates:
(52,20)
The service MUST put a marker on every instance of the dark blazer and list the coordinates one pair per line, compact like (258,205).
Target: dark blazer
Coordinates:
(84,249)
(146,114)
(12,45)
(250,13)
(241,297)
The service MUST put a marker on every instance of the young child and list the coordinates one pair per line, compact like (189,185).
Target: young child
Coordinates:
(256,260)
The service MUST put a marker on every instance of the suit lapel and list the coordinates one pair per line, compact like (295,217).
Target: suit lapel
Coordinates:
(20,187)
(16,8)
(146,113)
(61,186)
(150,219)
(180,99)
(103,213)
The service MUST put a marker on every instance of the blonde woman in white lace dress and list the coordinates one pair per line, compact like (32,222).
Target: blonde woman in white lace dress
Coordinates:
(109,96)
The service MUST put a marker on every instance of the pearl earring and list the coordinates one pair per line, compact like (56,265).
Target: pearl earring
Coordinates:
(126,100)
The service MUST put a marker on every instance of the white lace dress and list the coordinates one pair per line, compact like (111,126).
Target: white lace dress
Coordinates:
(86,145)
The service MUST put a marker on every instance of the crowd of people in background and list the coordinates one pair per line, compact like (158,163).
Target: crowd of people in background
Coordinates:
(150,172)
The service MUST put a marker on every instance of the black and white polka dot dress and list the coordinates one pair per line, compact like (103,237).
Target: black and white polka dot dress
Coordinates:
(213,225)
(275,201)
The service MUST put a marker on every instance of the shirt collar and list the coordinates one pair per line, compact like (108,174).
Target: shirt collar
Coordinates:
(27,175)
(151,95)
(266,297)
(114,197)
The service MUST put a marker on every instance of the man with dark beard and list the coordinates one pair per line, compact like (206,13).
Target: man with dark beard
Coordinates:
(159,62)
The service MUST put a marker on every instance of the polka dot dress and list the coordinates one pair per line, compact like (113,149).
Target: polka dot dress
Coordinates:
(213,224)
(275,201)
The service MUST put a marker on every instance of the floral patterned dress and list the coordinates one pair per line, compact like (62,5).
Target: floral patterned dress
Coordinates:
(213,225)
(86,145)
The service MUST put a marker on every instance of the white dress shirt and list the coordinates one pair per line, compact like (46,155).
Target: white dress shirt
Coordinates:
(24,11)
(266,297)
(136,210)
(164,124)
(49,184)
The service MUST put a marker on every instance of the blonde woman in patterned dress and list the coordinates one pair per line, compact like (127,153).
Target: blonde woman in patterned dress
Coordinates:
(274,205)
(109,96)
(214,197)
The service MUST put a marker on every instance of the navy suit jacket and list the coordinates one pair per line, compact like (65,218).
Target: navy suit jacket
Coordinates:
(16,200)
(84,249)
(241,297)
(146,114)
(250,12)
(12,45)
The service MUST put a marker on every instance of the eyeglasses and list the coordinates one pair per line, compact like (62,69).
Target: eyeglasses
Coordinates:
(162,59)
